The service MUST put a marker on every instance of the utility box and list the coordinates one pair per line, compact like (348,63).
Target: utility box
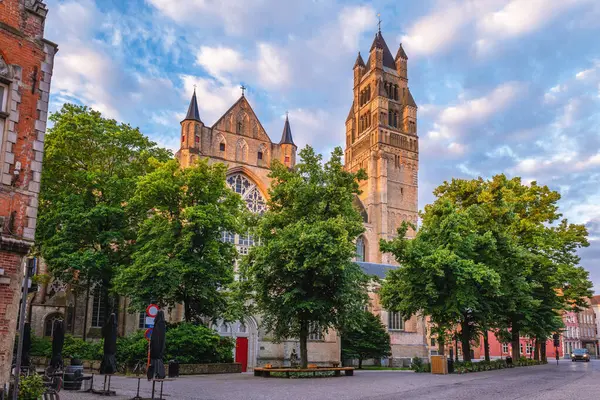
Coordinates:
(439,365)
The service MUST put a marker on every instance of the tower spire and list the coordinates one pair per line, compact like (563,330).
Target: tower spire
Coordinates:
(286,136)
(193,113)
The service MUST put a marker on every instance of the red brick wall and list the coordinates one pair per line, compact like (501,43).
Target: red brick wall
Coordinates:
(26,68)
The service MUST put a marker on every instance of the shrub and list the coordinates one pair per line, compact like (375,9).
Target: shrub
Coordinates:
(77,348)
(40,347)
(187,343)
(132,349)
(197,344)
(31,387)
(416,364)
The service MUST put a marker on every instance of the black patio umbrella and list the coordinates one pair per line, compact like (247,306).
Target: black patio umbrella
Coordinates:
(26,345)
(157,347)
(109,333)
(58,340)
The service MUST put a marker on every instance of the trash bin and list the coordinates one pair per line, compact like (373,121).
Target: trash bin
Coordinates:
(450,366)
(72,377)
(173,369)
(509,360)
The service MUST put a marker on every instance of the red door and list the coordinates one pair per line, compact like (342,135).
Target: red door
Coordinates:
(241,352)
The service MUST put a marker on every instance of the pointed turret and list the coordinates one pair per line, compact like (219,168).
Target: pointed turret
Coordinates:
(287,146)
(359,61)
(191,134)
(380,44)
(286,136)
(401,54)
(402,63)
(193,114)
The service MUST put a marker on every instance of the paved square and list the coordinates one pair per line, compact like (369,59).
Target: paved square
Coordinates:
(566,381)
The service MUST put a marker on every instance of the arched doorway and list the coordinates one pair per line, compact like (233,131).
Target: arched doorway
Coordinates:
(245,335)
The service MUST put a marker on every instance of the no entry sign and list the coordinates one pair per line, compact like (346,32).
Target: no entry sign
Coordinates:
(152,310)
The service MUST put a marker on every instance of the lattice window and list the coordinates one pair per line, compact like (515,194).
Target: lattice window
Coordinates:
(395,321)
(315,332)
(360,249)
(505,347)
(49,323)
(98,310)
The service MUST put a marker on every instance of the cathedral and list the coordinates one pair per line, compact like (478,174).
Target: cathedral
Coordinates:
(381,138)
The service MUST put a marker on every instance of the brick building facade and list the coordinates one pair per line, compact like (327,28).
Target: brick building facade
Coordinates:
(26,63)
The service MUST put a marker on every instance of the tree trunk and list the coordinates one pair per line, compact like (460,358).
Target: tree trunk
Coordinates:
(360,363)
(303,340)
(456,346)
(516,348)
(465,340)
(87,309)
(486,345)
(543,352)
(536,350)
(187,310)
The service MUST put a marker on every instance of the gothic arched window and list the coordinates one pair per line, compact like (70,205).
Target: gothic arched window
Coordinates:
(360,249)
(250,193)
(49,323)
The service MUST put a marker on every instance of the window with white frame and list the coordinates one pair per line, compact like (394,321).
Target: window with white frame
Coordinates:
(395,321)
(505,347)
(98,310)
(529,348)
(4,98)
(521,348)
(315,332)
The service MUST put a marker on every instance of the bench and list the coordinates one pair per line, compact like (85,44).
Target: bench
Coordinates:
(266,372)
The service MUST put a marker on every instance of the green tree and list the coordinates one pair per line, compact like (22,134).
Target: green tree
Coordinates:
(369,339)
(302,276)
(445,271)
(538,265)
(179,256)
(91,165)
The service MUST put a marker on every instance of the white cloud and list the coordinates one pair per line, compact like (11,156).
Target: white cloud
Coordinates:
(433,33)
(354,21)
(219,61)
(483,22)
(483,107)
(519,17)
(273,69)
(456,148)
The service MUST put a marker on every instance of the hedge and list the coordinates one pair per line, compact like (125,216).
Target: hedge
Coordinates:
(186,343)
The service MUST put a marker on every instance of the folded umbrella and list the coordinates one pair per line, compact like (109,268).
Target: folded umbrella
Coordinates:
(157,348)
(58,341)
(26,345)
(109,333)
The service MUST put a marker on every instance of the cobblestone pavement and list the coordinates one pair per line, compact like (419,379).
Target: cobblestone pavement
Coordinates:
(563,382)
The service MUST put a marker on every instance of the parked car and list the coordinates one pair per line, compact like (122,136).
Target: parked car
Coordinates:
(580,354)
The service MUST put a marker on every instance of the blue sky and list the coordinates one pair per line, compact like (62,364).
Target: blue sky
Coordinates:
(502,85)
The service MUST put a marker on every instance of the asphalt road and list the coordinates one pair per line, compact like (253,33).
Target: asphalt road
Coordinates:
(566,381)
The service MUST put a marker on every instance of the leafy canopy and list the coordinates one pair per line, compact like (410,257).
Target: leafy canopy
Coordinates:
(179,256)
(302,276)
(91,165)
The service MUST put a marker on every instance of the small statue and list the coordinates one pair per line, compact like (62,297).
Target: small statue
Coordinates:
(294,358)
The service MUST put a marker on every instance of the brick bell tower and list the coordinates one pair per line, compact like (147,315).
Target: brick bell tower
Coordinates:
(191,135)
(381,138)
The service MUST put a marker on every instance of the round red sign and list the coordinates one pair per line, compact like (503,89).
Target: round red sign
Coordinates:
(152,310)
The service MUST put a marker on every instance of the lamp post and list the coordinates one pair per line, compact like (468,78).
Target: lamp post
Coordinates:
(29,272)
